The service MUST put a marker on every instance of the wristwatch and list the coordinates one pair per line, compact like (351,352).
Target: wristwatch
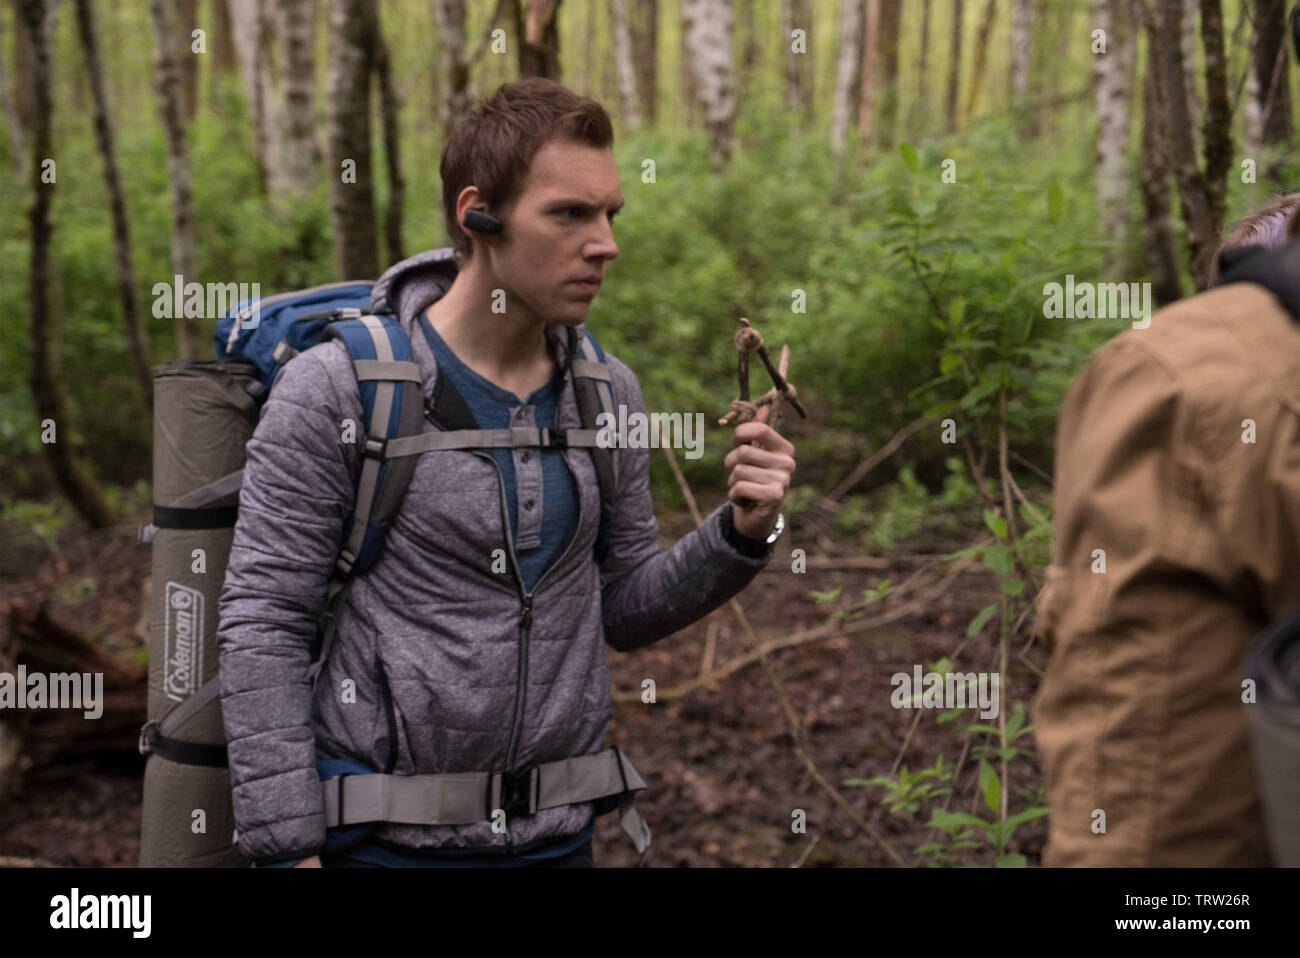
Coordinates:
(780,527)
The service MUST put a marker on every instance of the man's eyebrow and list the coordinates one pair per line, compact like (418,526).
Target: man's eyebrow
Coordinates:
(581,204)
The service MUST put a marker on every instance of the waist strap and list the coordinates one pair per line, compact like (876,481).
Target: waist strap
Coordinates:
(606,778)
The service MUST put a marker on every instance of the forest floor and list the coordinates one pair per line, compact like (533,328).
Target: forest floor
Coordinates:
(725,781)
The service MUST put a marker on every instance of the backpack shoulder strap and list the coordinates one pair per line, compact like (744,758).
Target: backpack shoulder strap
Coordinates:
(391,399)
(593,388)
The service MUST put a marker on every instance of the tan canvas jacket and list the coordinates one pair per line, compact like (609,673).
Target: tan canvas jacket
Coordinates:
(1178,467)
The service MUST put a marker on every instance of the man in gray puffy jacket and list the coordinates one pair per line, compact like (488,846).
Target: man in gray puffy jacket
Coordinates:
(442,664)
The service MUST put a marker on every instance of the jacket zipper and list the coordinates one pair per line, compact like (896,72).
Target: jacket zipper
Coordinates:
(526,607)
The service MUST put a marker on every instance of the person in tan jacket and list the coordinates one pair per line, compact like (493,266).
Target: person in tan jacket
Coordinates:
(1177,541)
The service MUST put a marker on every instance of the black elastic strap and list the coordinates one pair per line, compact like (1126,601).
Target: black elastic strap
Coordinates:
(215,517)
(187,753)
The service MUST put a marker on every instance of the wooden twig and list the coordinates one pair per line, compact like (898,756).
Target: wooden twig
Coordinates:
(807,851)
(817,634)
(1032,468)
(881,454)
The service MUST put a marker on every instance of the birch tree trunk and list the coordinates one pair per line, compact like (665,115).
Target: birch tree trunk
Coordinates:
(1110,75)
(170,110)
(1269,51)
(250,23)
(846,71)
(297,160)
(449,19)
(352,198)
(980,62)
(644,16)
(72,477)
(954,64)
(137,341)
(708,38)
(870,50)
(891,17)
(631,102)
(1252,119)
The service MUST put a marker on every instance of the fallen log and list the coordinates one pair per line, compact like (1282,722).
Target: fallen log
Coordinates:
(61,697)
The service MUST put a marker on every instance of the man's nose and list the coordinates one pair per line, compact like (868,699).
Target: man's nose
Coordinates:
(603,245)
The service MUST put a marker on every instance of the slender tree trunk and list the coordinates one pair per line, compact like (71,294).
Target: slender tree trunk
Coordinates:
(250,22)
(980,61)
(1202,232)
(24,95)
(891,21)
(954,64)
(708,36)
(221,43)
(846,72)
(299,155)
(449,19)
(1187,43)
(184,20)
(1218,112)
(352,198)
(921,105)
(631,102)
(390,114)
(13,127)
(538,45)
(1270,58)
(690,101)
(797,15)
(644,17)
(188,331)
(72,477)
(1022,38)
(1153,180)
(137,340)
(1110,74)
(867,70)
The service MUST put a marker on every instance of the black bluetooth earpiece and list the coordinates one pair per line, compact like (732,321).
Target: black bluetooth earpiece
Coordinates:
(481,222)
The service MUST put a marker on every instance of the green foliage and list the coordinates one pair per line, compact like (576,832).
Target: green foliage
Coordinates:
(910,790)
(43,519)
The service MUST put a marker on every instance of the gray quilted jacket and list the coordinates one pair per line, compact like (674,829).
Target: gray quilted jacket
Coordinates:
(435,644)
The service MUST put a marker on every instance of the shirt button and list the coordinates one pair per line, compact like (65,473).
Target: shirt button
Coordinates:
(526,457)
(529,504)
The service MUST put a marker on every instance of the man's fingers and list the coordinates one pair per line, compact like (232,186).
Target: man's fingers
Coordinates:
(762,435)
(756,493)
(757,474)
(755,456)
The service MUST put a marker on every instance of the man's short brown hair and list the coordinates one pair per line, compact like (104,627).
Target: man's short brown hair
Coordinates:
(1269,226)
(493,146)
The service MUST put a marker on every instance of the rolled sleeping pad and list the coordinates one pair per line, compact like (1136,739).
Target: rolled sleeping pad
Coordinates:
(203,417)
(1274,665)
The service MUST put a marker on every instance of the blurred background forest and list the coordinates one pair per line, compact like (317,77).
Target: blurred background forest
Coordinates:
(886,186)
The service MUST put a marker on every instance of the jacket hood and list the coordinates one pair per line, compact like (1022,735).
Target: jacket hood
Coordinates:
(406,289)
